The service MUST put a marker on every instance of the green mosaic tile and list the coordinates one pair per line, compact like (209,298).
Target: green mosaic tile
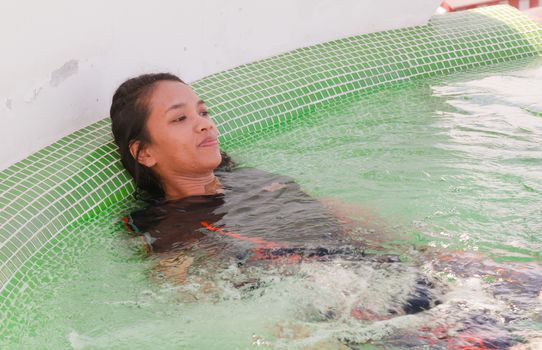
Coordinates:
(45,196)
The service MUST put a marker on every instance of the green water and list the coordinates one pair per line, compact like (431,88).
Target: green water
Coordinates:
(459,162)
(449,165)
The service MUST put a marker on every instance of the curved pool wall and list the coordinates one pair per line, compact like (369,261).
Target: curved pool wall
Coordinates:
(45,196)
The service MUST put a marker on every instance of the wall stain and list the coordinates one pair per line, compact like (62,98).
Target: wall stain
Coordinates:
(68,69)
(35,92)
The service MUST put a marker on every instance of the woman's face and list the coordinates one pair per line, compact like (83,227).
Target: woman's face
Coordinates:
(183,136)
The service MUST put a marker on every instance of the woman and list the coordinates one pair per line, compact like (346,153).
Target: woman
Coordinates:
(168,142)
(203,214)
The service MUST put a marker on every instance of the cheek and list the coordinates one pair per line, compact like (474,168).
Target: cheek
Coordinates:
(175,147)
(180,151)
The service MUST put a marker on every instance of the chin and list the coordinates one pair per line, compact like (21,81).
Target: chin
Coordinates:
(218,160)
(214,162)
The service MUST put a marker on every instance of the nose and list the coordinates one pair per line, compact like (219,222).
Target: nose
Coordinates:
(205,124)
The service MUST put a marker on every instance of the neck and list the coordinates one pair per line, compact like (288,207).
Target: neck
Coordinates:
(184,186)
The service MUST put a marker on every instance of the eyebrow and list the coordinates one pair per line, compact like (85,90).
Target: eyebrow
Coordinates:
(181,105)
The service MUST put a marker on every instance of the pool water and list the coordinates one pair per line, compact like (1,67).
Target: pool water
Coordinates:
(451,172)
(460,162)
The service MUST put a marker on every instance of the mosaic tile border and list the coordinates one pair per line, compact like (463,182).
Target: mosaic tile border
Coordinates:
(74,179)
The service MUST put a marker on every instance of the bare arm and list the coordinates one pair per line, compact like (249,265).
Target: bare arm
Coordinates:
(173,267)
(358,222)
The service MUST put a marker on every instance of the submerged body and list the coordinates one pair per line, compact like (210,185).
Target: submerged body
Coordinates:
(264,229)
(259,216)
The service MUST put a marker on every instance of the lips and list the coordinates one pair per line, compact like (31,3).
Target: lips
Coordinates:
(209,141)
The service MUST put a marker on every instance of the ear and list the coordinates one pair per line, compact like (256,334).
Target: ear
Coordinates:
(145,156)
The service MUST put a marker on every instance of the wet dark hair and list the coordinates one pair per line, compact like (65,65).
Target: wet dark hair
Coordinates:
(129,113)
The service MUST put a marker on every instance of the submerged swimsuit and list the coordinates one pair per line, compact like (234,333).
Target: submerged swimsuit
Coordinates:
(260,215)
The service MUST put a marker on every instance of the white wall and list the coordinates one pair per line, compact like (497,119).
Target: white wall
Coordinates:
(61,60)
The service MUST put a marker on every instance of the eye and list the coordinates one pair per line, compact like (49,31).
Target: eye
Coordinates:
(179,119)
(204,114)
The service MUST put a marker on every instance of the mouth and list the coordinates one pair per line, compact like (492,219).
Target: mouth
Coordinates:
(209,141)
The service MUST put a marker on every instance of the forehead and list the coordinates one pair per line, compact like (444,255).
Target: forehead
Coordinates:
(167,93)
